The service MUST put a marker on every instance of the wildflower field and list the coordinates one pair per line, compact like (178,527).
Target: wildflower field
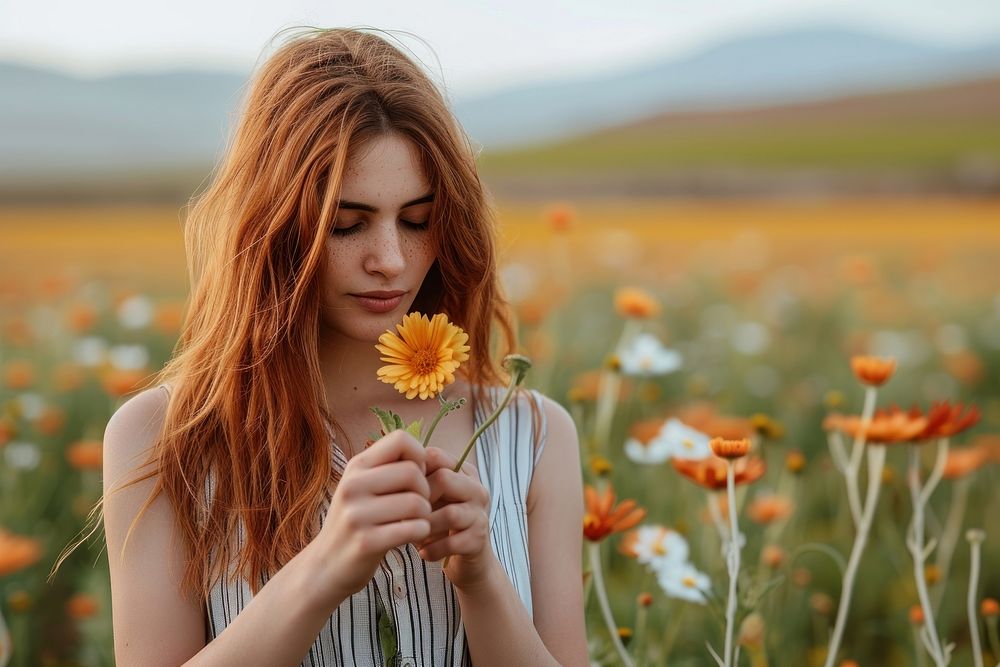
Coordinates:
(789,418)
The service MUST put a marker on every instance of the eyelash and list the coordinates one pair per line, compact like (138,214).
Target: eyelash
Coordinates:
(353,229)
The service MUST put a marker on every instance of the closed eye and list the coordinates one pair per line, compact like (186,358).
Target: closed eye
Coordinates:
(356,227)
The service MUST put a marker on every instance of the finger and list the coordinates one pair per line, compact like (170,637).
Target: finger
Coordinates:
(468,542)
(438,458)
(389,535)
(449,486)
(386,509)
(393,477)
(398,445)
(454,517)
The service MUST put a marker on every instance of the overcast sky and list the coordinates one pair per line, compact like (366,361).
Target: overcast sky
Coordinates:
(476,46)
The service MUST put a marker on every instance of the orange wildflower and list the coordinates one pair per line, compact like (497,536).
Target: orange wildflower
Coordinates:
(963,461)
(773,556)
(916,615)
(81,606)
(603,517)
(168,317)
(81,318)
(770,508)
(795,461)
(711,472)
(945,420)
(67,377)
(50,421)
(646,429)
(644,599)
(989,607)
(636,302)
(873,371)
(560,218)
(6,430)
(887,426)
(730,449)
(119,382)
(19,374)
(17,553)
(86,455)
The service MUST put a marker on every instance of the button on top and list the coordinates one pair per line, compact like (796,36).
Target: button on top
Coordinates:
(399,590)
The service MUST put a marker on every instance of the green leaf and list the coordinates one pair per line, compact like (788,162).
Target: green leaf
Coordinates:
(386,634)
(415,428)
(388,420)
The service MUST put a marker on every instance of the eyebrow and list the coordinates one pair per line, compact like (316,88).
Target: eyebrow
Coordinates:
(358,206)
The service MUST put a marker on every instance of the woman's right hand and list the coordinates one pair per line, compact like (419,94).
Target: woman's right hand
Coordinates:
(381,502)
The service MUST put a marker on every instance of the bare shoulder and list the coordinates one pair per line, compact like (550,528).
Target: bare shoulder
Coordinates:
(561,453)
(131,432)
(146,555)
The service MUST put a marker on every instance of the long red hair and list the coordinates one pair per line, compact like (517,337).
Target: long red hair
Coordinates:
(248,400)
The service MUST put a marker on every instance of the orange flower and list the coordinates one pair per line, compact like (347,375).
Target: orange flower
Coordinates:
(168,317)
(646,429)
(795,461)
(636,302)
(989,607)
(729,449)
(963,461)
(118,382)
(873,371)
(6,430)
(19,374)
(17,553)
(50,421)
(67,377)
(769,508)
(711,472)
(916,615)
(81,318)
(560,217)
(644,599)
(945,420)
(85,455)
(773,556)
(888,426)
(603,517)
(81,606)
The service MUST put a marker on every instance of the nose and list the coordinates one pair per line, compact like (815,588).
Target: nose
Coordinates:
(386,255)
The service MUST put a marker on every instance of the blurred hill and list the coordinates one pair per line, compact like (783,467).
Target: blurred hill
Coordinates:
(934,139)
(752,114)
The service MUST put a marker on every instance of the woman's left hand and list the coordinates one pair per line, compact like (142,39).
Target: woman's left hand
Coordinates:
(460,509)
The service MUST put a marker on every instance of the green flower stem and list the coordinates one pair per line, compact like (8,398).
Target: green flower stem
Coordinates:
(994,636)
(594,550)
(915,543)
(949,536)
(445,409)
(496,413)
(854,463)
(975,547)
(876,462)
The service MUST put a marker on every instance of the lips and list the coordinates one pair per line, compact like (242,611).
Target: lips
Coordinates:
(379,302)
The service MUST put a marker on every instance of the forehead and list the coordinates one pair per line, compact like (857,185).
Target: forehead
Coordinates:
(384,171)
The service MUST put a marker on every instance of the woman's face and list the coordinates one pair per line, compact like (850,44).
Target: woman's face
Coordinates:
(380,248)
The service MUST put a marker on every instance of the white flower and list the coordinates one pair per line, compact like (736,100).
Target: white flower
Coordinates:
(90,351)
(136,312)
(22,455)
(129,357)
(654,452)
(657,546)
(645,355)
(31,405)
(684,581)
(684,441)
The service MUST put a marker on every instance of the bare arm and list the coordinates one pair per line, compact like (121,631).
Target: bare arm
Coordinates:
(145,585)
(499,629)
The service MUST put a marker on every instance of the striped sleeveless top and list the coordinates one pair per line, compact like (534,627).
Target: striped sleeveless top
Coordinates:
(420,600)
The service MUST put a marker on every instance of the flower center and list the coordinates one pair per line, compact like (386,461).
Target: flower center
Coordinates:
(424,361)
(688,581)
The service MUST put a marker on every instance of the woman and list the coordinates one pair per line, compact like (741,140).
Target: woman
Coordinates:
(348,198)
